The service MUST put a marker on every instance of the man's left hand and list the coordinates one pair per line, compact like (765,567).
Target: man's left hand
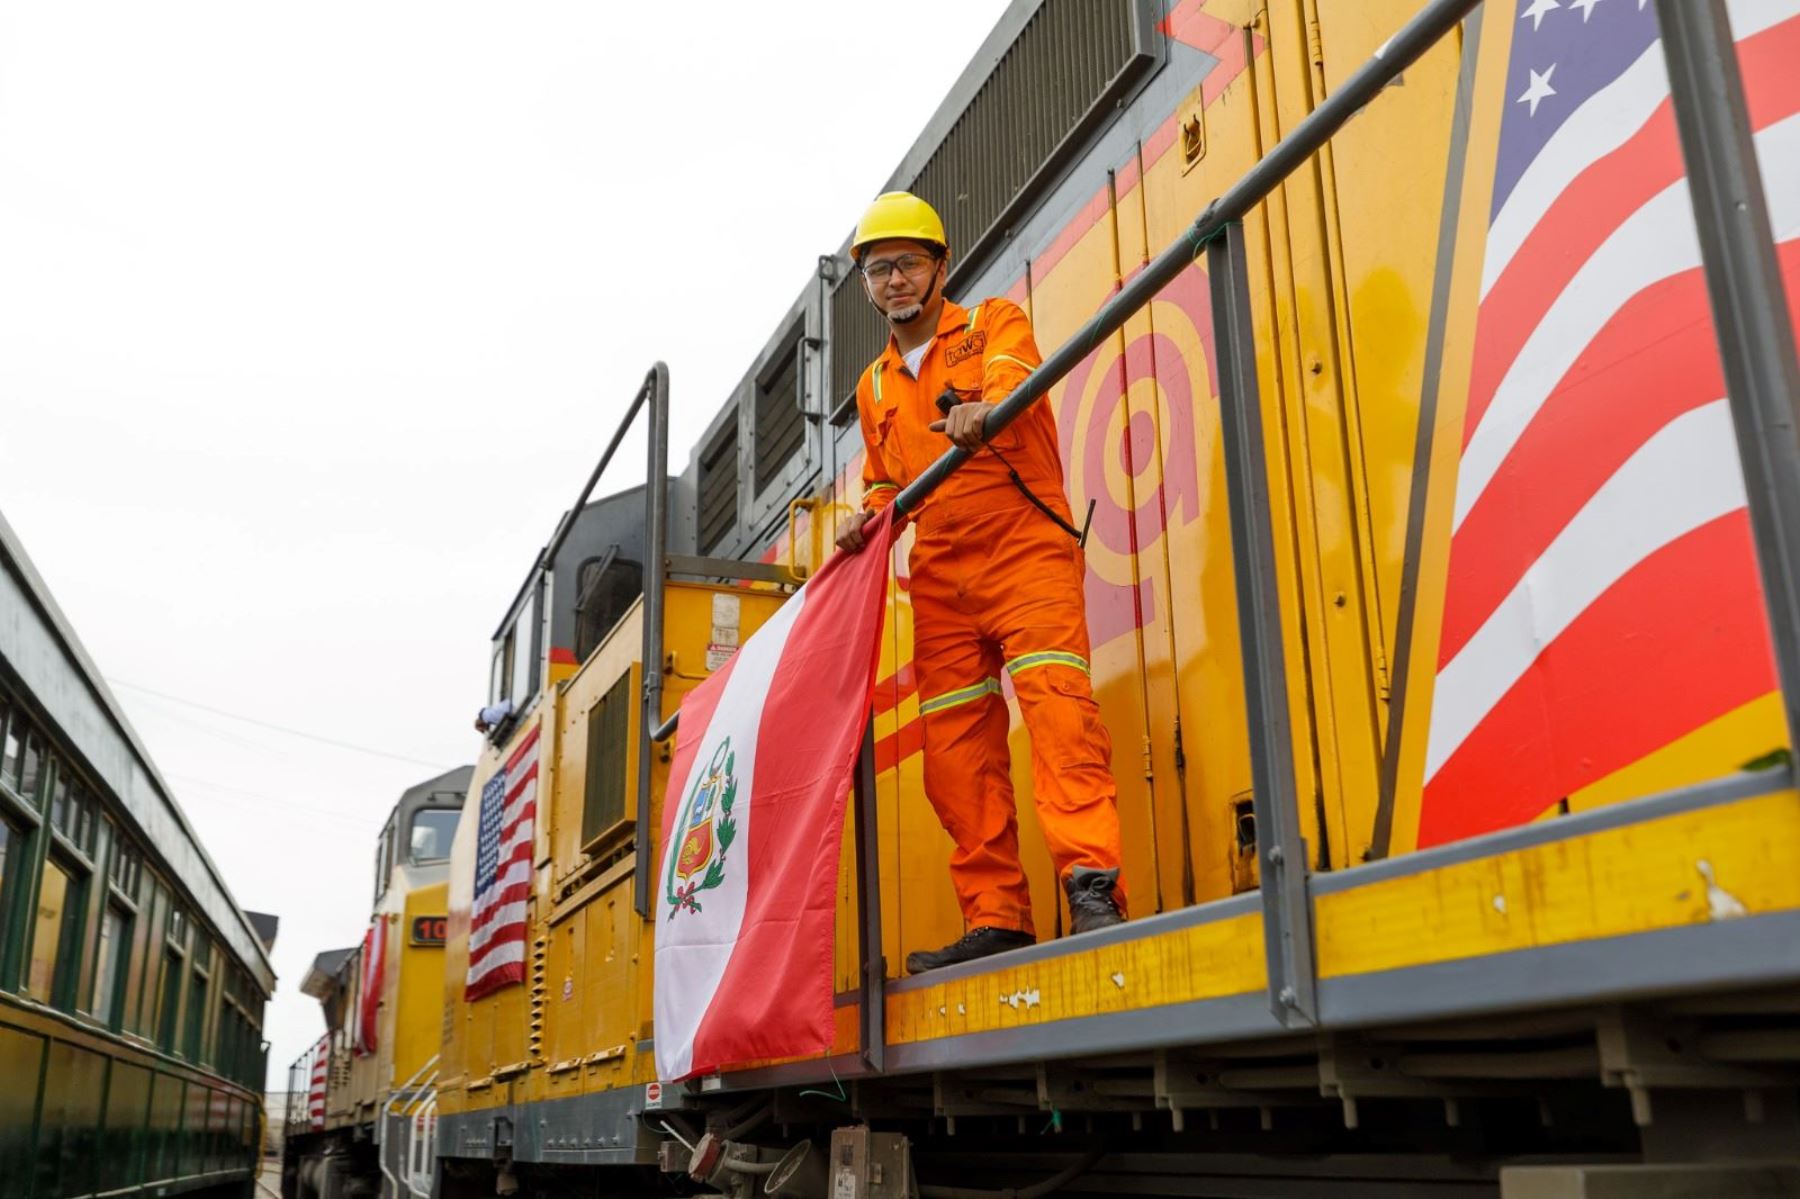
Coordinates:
(965,425)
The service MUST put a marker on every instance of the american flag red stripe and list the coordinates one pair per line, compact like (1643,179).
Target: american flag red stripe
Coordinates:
(1602,599)
(370,978)
(508,820)
(315,1089)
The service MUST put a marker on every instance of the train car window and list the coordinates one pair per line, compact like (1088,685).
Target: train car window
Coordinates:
(193,1042)
(86,809)
(127,869)
(432,831)
(607,589)
(109,963)
(9,755)
(169,1007)
(609,728)
(146,956)
(31,767)
(56,896)
(59,804)
(9,838)
(174,976)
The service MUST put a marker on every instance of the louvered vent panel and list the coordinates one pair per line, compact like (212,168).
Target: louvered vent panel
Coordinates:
(779,426)
(718,489)
(1066,59)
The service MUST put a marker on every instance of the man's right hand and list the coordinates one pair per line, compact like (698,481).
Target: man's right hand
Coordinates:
(850,534)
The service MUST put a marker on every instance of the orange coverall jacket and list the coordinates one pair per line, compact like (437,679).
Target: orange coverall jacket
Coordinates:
(995,586)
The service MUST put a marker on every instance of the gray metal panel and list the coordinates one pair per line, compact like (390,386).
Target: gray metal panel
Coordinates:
(1635,811)
(599,1129)
(1750,952)
(1287,910)
(39,645)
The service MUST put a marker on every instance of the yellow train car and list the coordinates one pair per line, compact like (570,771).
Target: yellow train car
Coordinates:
(361,1116)
(1439,624)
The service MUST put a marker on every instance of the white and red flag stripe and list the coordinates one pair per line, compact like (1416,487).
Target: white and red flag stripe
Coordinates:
(370,978)
(1602,600)
(315,1084)
(504,838)
(752,824)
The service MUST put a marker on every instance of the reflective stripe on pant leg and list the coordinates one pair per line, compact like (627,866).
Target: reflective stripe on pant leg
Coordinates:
(1032,602)
(1047,657)
(962,695)
(968,780)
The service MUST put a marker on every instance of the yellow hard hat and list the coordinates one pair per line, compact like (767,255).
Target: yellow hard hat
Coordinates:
(897,214)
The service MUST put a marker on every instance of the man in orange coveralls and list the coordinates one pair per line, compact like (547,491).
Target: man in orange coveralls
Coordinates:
(997,575)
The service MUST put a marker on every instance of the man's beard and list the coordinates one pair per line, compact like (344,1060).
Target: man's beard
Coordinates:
(907,315)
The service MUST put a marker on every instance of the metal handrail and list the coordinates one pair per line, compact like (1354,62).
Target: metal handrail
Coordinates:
(653,393)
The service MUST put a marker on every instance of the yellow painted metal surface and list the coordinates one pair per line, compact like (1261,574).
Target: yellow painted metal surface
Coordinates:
(1723,862)
(411,1011)
(1207,961)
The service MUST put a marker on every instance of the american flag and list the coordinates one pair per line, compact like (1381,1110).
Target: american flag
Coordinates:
(1602,599)
(503,872)
(315,1085)
(371,976)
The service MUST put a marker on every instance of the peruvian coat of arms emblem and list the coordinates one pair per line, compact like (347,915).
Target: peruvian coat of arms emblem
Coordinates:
(704,830)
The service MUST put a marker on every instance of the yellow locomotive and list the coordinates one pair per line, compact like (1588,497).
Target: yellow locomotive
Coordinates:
(360,1099)
(1439,626)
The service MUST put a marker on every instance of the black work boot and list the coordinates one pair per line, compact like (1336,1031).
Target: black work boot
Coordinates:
(1091,901)
(976,943)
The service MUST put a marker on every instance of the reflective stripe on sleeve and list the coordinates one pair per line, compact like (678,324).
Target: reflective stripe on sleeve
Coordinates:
(877,380)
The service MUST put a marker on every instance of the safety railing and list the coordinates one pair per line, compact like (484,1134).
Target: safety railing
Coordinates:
(1763,380)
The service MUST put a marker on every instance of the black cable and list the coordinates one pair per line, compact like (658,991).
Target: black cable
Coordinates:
(948,399)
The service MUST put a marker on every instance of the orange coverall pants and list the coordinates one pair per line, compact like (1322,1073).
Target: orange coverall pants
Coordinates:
(996,591)
(1001,592)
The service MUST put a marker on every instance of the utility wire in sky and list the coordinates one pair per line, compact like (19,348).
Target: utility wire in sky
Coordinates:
(279,728)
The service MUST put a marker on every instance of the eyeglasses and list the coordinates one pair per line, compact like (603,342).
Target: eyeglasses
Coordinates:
(880,270)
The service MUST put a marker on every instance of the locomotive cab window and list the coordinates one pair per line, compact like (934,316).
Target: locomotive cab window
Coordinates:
(608,586)
(518,650)
(432,832)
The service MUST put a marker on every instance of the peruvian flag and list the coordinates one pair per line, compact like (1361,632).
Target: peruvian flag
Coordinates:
(752,824)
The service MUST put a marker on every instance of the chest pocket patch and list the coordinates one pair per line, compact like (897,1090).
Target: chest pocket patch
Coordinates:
(969,347)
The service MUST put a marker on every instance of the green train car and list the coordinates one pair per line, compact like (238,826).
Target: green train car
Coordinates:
(131,984)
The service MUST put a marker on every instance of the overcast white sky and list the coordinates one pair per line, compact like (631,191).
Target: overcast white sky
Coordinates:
(314,317)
